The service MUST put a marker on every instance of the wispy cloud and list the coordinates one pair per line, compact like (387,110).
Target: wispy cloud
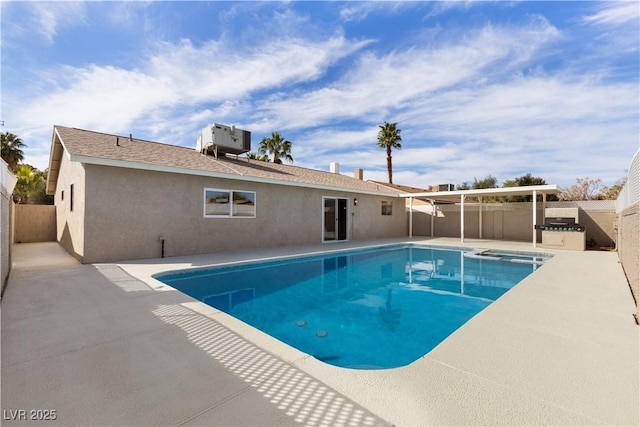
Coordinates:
(47,17)
(357,11)
(110,99)
(531,93)
(439,7)
(378,86)
(615,12)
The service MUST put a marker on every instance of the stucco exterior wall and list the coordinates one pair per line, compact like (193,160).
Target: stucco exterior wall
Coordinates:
(127,212)
(629,248)
(6,238)
(7,184)
(35,223)
(70,223)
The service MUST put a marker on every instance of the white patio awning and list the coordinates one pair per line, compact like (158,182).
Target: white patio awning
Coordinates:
(460,195)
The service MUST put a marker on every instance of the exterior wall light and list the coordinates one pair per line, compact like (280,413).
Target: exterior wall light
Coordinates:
(355,202)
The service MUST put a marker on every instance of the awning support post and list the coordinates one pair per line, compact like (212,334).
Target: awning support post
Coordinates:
(462,218)
(480,217)
(535,218)
(433,214)
(411,217)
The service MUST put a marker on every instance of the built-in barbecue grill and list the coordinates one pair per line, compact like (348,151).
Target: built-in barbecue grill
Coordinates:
(560,224)
(561,229)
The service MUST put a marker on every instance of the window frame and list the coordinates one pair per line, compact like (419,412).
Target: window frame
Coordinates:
(232,211)
(386,204)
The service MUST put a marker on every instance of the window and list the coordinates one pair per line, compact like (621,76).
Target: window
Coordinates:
(229,203)
(62,195)
(71,198)
(244,203)
(386,207)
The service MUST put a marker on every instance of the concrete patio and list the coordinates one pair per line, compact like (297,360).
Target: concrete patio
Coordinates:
(106,344)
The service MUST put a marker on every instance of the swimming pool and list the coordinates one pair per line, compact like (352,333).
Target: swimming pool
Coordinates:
(375,308)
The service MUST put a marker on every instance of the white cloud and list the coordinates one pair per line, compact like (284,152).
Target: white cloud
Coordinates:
(470,102)
(615,12)
(47,17)
(357,11)
(112,99)
(544,124)
(378,84)
(442,6)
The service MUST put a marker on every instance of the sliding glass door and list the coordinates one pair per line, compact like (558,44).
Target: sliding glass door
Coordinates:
(335,219)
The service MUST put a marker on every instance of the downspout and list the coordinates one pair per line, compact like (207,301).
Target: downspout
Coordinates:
(161,240)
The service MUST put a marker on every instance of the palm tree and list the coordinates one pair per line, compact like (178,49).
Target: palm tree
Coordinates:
(256,156)
(27,181)
(388,138)
(11,150)
(279,147)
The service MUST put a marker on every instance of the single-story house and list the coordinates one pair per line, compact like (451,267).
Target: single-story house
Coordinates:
(118,198)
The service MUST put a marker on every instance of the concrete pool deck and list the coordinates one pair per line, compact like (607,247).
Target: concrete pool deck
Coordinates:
(106,344)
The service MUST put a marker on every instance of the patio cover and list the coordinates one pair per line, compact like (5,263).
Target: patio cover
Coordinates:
(460,195)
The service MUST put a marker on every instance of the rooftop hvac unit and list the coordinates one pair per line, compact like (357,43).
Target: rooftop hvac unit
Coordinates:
(445,187)
(220,139)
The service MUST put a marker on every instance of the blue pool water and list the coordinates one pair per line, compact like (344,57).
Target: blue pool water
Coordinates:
(365,309)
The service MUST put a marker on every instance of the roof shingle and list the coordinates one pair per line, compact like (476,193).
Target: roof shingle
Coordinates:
(93,147)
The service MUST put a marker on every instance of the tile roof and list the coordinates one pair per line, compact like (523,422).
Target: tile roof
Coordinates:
(100,148)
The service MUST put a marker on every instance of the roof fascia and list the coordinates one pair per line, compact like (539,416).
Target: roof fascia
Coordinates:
(52,175)
(185,171)
(524,190)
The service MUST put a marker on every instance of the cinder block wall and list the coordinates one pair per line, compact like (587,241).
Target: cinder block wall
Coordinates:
(512,221)
(34,223)
(629,248)
(509,221)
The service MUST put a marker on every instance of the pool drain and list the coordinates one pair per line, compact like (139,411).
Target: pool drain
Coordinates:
(301,323)
(322,333)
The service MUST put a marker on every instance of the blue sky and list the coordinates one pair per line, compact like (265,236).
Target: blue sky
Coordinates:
(477,88)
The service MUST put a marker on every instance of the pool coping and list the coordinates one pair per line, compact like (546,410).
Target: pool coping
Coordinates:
(290,353)
(463,368)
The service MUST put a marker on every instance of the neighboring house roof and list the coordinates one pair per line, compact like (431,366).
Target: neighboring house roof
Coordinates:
(101,149)
(401,188)
(411,190)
